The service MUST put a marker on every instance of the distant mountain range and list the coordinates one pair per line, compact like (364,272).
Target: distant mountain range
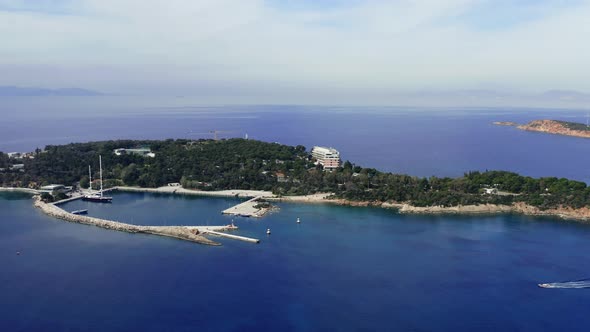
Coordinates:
(494,98)
(31,91)
(566,95)
(556,95)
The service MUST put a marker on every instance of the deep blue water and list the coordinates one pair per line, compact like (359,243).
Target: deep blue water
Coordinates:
(421,142)
(341,269)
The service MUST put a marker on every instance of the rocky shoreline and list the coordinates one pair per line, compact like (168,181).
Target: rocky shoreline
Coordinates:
(548,126)
(582,214)
(553,127)
(190,233)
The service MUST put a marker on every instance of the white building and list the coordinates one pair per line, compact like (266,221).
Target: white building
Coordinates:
(146,152)
(18,167)
(55,188)
(490,191)
(327,157)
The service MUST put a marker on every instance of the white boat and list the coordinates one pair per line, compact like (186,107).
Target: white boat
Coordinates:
(545,285)
(96,197)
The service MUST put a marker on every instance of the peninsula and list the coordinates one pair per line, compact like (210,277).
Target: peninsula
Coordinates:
(552,127)
(287,173)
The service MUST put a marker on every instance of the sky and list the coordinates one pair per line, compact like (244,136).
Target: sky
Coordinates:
(333,51)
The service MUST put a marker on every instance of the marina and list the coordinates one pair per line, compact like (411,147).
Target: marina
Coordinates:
(187,233)
(96,196)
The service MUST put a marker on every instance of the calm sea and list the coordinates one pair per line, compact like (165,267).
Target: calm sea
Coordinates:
(416,141)
(341,269)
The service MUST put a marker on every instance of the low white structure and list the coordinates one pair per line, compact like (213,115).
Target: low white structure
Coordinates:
(146,152)
(17,167)
(55,188)
(16,155)
(329,158)
(490,191)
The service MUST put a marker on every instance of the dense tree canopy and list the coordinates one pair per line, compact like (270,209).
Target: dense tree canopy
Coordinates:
(286,170)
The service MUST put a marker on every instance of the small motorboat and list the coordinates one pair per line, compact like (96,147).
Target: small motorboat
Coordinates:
(268,231)
(298,221)
(545,285)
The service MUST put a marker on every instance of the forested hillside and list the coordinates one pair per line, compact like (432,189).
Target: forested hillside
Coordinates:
(286,170)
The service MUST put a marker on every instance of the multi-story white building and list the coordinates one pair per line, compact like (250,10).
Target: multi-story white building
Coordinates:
(327,157)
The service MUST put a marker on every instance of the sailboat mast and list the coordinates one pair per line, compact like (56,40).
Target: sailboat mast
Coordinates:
(100,165)
(89,179)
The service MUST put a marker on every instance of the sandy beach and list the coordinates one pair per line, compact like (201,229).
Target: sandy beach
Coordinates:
(183,191)
(23,190)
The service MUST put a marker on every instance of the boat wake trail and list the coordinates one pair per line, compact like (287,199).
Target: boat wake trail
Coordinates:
(584,283)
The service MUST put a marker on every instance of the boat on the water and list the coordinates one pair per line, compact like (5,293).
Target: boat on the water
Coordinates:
(84,211)
(96,197)
(545,285)
(99,198)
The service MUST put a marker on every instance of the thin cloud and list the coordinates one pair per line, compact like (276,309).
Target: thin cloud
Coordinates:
(268,47)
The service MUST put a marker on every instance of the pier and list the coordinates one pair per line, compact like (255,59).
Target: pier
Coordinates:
(235,237)
(247,209)
(75,196)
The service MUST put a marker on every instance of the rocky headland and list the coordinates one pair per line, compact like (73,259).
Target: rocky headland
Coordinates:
(555,127)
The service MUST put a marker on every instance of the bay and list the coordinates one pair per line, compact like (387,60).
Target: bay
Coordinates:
(341,269)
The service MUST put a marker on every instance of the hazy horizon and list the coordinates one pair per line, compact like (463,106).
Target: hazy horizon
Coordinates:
(348,52)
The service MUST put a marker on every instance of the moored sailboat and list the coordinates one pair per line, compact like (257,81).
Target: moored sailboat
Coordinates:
(96,197)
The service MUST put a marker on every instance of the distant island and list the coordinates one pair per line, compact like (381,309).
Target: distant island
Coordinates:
(289,173)
(556,127)
(15,91)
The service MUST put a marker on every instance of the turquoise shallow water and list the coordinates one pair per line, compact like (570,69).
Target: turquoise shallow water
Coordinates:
(341,269)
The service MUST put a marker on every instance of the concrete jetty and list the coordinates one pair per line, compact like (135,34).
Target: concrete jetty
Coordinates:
(187,233)
(247,209)
(235,237)
(75,196)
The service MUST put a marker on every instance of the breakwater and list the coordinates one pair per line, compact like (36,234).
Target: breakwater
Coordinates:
(235,237)
(187,233)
